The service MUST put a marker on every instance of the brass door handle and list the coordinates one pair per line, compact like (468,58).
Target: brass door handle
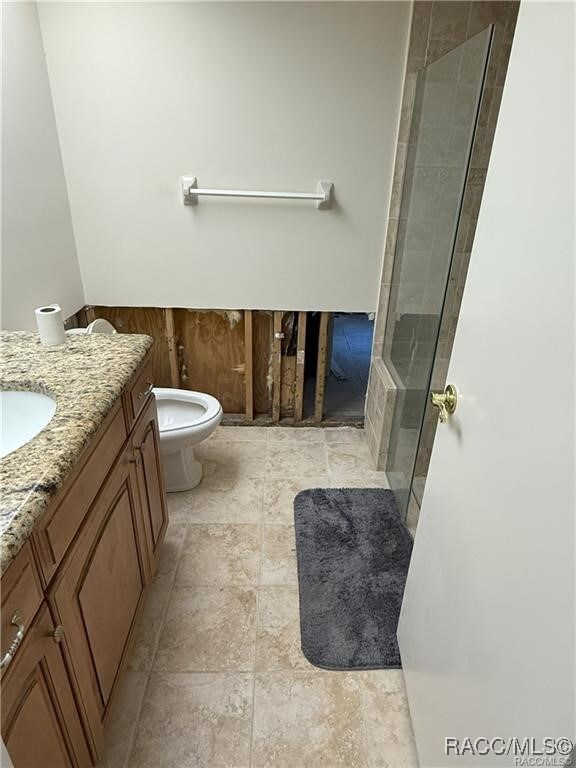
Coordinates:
(446,402)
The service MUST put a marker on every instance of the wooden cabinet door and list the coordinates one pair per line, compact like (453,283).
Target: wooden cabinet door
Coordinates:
(146,443)
(40,723)
(97,593)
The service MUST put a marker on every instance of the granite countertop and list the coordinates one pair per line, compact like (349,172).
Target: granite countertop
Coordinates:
(85,376)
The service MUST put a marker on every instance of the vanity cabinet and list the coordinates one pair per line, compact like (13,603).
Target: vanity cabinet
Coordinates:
(148,462)
(97,593)
(40,722)
(83,571)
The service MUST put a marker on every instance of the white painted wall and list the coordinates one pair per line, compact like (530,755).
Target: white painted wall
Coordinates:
(39,263)
(487,630)
(243,95)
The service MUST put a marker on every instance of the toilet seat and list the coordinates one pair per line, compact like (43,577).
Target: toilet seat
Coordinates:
(182,409)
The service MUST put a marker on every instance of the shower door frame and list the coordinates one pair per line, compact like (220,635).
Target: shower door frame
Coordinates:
(385,361)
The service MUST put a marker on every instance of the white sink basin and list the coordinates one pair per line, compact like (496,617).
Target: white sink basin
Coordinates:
(22,416)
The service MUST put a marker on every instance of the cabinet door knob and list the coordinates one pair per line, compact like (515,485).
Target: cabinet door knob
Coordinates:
(58,634)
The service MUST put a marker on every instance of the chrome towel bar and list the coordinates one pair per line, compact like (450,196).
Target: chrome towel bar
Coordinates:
(322,196)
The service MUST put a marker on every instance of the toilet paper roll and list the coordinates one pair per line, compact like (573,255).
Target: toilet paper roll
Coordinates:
(50,325)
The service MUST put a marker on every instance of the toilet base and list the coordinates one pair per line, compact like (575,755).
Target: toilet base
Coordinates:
(182,471)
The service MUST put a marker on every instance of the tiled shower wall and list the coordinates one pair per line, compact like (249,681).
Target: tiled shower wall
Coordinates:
(437,27)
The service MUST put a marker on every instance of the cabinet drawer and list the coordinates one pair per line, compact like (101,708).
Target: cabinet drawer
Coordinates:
(21,594)
(56,530)
(140,390)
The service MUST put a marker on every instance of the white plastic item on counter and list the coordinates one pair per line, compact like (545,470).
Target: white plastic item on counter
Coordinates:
(50,325)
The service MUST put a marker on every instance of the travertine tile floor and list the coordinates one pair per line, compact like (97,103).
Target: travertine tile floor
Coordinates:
(217,677)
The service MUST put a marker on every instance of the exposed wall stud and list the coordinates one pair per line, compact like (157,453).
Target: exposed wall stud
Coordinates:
(300,366)
(172,348)
(322,369)
(249,369)
(277,366)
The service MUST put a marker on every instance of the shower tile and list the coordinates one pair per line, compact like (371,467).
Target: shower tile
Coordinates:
(450,20)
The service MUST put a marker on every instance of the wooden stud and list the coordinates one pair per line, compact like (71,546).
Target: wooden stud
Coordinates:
(300,366)
(172,347)
(277,366)
(322,368)
(249,353)
(262,338)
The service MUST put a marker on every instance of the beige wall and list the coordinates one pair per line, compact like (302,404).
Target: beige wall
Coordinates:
(242,95)
(39,264)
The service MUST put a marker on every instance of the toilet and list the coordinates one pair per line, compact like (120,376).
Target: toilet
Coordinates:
(185,419)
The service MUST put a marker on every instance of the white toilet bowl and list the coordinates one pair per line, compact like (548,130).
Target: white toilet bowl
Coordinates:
(185,419)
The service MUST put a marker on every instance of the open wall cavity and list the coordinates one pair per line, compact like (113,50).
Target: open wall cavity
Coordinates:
(263,366)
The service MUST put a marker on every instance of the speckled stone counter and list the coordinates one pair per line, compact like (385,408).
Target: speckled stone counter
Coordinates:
(85,377)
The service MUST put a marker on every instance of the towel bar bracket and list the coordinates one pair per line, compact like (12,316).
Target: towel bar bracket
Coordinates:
(190,193)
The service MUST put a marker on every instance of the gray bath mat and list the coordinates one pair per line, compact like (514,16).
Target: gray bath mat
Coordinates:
(353,553)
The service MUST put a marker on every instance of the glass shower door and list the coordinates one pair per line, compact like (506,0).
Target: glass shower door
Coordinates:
(445,111)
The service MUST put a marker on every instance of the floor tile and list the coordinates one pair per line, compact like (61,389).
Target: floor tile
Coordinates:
(367,479)
(278,637)
(226,458)
(227,500)
(348,458)
(208,629)
(296,434)
(240,434)
(279,497)
(283,461)
(389,736)
(150,622)
(170,549)
(180,506)
(123,720)
(307,719)
(344,435)
(195,720)
(278,564)
(221,621)
(220,554)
